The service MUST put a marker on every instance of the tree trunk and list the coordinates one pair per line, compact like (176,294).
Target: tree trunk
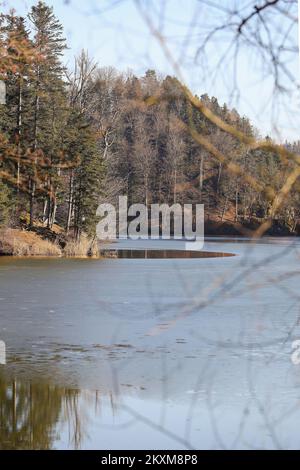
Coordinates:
(53,212)
(45,210)
(201,176)
(224,208)
(70,202)
(19,131)
(236,204)
(35,144)
(219,176)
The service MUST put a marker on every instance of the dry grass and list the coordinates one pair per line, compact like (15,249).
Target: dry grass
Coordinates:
(23,243)
(15,242)
(82,248)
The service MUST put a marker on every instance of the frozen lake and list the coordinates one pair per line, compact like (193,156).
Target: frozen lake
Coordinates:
(152,353)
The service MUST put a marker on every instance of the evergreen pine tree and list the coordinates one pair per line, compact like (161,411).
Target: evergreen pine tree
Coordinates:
(48,102)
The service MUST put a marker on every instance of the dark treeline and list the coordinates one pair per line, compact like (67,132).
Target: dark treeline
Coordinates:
(69,140)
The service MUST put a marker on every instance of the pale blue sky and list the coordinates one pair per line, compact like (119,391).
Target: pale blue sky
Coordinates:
(114,33)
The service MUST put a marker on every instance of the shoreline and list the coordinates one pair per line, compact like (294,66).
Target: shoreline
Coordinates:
(45,243)
(225,228)
(30,253)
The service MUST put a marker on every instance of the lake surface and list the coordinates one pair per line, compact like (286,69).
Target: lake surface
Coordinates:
(152,353)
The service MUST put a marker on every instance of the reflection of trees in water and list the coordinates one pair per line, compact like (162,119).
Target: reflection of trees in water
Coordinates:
(30,412)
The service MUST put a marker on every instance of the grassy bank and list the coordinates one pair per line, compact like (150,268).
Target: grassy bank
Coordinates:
(15,242)
(43,242)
